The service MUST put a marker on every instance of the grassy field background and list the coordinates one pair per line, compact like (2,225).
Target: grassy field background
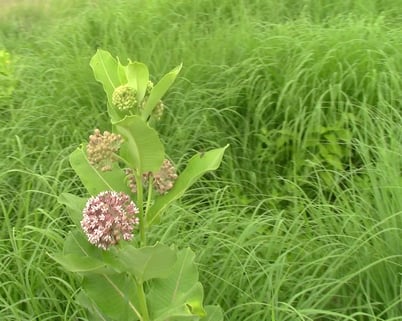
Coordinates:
(303,220)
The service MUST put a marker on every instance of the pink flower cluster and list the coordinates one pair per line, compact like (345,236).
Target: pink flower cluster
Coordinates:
(109,217)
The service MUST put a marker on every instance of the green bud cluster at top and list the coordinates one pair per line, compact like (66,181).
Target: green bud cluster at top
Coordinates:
(124,98)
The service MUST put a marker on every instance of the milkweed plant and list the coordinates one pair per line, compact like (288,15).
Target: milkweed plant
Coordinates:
(131,182)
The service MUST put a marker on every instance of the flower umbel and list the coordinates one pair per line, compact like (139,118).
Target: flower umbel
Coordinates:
(164,179)
(109,217)
(102,149)
(124,98)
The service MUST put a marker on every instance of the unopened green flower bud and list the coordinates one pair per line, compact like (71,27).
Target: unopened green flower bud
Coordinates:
(158,110)
(150,86)
(124,98)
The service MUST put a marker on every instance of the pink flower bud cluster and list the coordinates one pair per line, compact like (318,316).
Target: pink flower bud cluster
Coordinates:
(109,217)
(162,181)
(102,149)
(131,179)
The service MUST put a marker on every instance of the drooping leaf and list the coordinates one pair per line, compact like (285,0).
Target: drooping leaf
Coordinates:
(138,77)
(74,205)
(77,243)
(109,72)
(106,70)
(148,262)
(197,166)
(180,295)
(142,148)
(96,181)
(81,256)
(80,264)
(115,295)
(159,90)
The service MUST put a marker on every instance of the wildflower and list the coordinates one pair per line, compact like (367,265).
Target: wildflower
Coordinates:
(157,112)
(131,180)
(109,217)
(102,149)
(164,179)
(124,98)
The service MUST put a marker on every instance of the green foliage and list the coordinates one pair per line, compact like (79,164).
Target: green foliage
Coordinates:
(7,77)
(196,167)
(142,149)
(270,243)
(96,181)
(169,274)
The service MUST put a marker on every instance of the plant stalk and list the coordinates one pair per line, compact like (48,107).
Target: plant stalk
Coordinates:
(140,204)
(142,301)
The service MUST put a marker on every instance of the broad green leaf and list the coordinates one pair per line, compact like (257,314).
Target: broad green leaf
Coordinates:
(74,205)
(122,72)
(93,313)
(77,243)
(81,256)
(197,166)
(159,90)
(148,262)
(138,77)
(96,181)
(106,71)
(214,313)
(142,148)
(80,264)
(114,295)
(179,295)
(110,73)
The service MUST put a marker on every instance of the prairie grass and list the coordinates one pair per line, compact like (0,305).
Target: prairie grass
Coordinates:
(303,220)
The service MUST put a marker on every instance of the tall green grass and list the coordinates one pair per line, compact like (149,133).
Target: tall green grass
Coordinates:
(303,219)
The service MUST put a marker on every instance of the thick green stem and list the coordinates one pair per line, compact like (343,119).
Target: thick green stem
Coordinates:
(142,302)
(140,204)
(149,197)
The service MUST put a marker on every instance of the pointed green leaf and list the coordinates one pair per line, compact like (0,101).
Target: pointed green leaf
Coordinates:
(114,295)
(159,90)
(74,205)
(197,166)
(138,77)
(148,262)
(214,313)
(180,294)
(142,148)
(94,180)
